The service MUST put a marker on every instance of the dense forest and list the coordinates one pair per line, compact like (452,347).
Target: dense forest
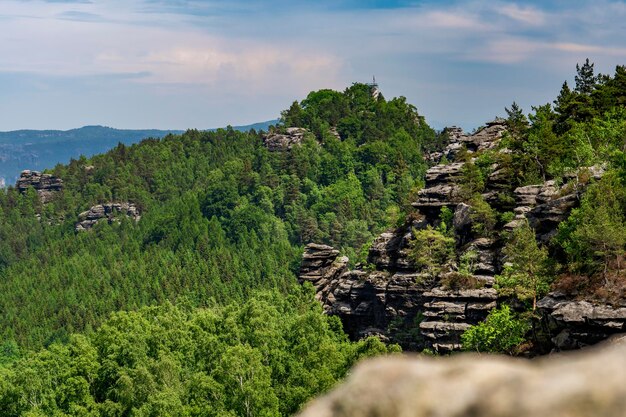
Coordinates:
(195,309)
(222,218)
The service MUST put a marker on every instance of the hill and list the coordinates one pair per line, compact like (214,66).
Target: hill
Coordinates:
(163,277)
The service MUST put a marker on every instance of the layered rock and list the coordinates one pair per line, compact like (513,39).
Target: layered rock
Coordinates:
(366,301)
(449,313)
(46,185)
(441,188)
(394,299)
(275,141)
(106,212)
(546,205)
(590,383)
(578,323)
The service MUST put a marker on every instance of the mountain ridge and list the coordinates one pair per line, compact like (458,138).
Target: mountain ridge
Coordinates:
(43,149)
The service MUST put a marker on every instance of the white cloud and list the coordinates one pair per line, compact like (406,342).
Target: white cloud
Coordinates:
(222,49)
(528,15)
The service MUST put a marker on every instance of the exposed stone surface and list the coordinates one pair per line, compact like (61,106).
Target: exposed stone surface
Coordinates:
(366,301)
(108,212)
(46,185)
(546,217)
(391,296)
(448,313)
(576,323)
(589,383)
(284,141)
(462,220)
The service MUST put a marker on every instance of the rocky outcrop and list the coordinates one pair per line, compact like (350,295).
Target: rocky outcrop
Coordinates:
(485,138)
(441,188)
(46,185)
(367,302)
(392,298)
(449,313)
(106,212)
(275,141)
(590,383)
(577,323)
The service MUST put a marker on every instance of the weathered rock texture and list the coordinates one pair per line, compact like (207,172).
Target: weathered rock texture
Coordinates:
(284,141)
(576,323)
(393,299)
(105,212)
(590,383)
(46,185)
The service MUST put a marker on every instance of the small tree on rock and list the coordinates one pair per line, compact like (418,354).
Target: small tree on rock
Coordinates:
(525,274)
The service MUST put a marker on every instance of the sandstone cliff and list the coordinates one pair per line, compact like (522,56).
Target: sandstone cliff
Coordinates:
(395,300)
(46,185)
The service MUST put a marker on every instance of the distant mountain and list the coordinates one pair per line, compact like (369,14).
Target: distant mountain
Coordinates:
(41,149)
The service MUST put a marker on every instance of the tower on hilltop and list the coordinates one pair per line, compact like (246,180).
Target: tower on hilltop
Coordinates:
(374,87)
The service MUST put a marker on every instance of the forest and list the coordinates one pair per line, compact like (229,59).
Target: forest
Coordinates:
(195,310)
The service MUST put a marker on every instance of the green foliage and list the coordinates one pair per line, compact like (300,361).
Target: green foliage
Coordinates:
(221,215)
(483,217)
(264,357)
(472,180)
(446,218)
(584,127)
(595,234)
(430,249)
(525,275)
(500,333)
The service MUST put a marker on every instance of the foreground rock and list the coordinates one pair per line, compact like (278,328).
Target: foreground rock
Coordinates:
(46,185)
(590,383)
(106,212)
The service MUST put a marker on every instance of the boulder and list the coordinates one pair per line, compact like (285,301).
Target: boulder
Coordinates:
(580,323)
(590,383)
(462,220)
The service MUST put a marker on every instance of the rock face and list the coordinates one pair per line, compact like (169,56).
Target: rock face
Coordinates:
(105,212)
(395,300)
(576,324)
(284,141)
(590,383)
(366,301)
(46,185)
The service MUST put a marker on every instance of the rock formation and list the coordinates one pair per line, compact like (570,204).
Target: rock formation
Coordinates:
(589,383)
(391,298)
(577,323)
(108,212)
(46,185)
(275,141)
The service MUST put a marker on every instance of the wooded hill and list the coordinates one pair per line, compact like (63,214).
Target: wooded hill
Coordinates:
(195,308)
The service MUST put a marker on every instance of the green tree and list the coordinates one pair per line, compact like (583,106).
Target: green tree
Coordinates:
(501,332)
(525,274)
(431,250)
(585,78)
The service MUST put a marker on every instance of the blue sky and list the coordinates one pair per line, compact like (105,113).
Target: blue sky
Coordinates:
(177,64)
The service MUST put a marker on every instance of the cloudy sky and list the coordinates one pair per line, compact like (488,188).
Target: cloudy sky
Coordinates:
(177,64)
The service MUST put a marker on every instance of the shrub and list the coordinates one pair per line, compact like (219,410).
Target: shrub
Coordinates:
(431,249)
(500,333)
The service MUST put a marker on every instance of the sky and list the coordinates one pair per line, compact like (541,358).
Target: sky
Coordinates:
(178,64)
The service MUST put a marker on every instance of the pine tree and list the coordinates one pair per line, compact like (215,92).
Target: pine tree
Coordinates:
(516,121)
(525,274)
(585,78)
